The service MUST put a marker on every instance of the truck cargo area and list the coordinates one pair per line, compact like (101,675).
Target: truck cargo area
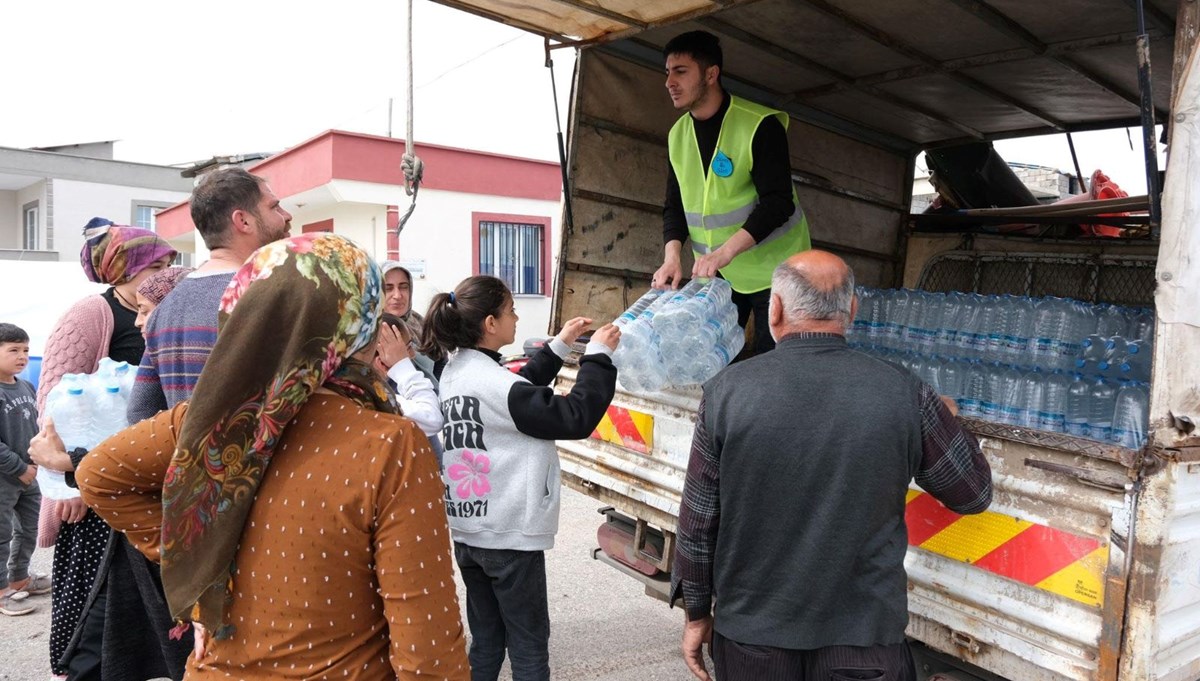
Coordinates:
(1085,566)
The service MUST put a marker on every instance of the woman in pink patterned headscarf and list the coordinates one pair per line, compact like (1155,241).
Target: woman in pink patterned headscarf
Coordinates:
(96,327)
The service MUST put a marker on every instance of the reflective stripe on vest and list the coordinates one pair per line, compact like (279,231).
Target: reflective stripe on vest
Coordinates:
(716,207)
(797,218)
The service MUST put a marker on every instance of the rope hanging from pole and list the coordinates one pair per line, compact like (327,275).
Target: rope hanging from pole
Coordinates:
(411,164)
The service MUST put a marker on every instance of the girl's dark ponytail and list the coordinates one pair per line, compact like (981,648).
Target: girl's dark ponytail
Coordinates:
(455,319)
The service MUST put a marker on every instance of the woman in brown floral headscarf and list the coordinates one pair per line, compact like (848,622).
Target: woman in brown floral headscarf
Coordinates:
(301,520)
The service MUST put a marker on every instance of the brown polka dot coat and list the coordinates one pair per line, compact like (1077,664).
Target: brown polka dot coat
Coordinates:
(344,567)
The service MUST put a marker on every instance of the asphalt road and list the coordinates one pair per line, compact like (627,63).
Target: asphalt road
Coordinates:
(603,626)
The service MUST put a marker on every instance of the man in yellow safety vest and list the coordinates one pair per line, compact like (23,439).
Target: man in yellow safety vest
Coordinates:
(729,188)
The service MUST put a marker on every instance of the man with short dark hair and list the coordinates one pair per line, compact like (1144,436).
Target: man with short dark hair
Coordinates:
(729,183)
(800,468)
(236,213)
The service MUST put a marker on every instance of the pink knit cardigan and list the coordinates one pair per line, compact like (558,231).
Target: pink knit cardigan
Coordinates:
(78,342)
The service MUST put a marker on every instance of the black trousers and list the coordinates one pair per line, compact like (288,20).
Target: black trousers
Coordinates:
(759,304)
(84,664)
(733,661)
(507,609)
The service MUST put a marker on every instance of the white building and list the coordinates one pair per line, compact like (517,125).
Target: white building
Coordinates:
(1045,183)
(477,213)
(48,195)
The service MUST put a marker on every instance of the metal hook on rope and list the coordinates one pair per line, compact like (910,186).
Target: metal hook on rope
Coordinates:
(411,164)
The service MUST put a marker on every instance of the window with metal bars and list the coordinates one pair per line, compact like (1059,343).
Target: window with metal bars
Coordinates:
(514,252)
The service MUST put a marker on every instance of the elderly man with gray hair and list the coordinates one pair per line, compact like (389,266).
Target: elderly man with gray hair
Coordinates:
(800,466)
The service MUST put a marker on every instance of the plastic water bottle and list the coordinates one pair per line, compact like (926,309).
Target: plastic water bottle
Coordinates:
(1078,411)
(1130,415)
(126,377)
(1012,405)
(901,313)
(914,317)
(974,389)
(710,339)
(72,416)
(1103,397)
(108,413)
(989,406)
(878,316)
(637,358)
(1089,367)
(1135,364)
(1018,329)
(887,307)
(1049,328)
(715,330)
(1092,348)
(707,365)
(972,337)
(997,326)
(1033,397)
(947,342)
(920,368)
(931,322)
(640,366)
(673,320)
(634,311)
(1081,323)
(1141,327)
(1051,415)
(1114,346)
(860,329)
(683,315)
(951,376)
(1111,321)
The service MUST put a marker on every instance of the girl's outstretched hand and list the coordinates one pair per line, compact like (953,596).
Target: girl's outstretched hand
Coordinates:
(573,329)
(609,335)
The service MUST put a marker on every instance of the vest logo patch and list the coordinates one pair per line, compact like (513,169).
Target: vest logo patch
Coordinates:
(722,165)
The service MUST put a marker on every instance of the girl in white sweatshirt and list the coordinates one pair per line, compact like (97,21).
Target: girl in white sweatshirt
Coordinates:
(500,465)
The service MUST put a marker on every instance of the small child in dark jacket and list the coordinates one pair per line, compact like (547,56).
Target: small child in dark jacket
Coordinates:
(20,498)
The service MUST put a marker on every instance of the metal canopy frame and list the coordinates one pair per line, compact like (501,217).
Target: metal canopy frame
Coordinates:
(996,110)
(887,40)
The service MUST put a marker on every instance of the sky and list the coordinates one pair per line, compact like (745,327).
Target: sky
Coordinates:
(177,82)
(1107,150)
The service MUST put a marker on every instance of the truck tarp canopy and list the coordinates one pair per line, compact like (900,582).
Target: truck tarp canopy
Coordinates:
(903,74)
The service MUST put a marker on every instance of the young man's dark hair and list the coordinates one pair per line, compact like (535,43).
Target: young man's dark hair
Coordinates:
(703,46)
(11,333)
(219,194)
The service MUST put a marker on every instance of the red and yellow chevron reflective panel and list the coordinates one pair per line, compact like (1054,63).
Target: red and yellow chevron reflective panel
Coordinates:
(1037,555)
(628,428)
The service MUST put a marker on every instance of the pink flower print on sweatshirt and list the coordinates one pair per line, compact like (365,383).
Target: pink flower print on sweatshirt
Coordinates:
(471,475)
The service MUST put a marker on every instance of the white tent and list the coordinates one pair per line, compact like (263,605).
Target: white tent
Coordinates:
(36,294)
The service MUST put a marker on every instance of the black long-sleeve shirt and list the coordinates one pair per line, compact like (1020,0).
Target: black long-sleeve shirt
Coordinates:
(538,411)
(771,174)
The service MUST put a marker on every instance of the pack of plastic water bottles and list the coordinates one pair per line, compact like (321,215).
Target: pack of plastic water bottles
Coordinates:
(1050,364)
(677,338)
(87,409)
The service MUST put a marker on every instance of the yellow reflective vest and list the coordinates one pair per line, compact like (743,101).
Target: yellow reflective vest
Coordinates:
(717,205)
